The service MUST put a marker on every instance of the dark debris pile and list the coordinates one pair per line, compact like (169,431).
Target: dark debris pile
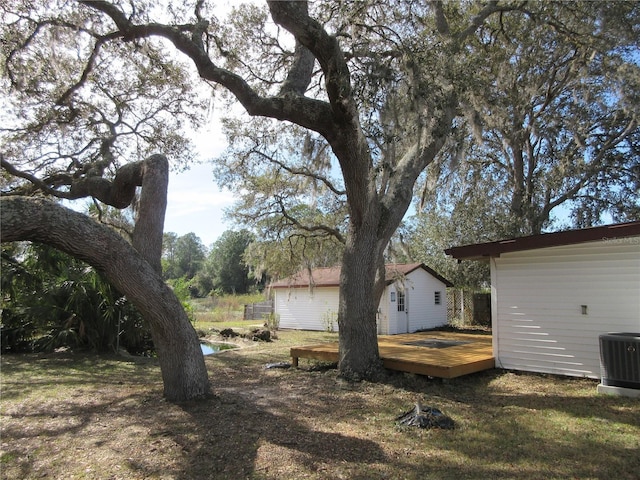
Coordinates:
(426,417)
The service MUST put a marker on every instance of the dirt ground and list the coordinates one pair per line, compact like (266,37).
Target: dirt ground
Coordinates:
(87,417)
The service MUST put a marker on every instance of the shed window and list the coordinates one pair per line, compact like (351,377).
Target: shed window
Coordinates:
(437,297)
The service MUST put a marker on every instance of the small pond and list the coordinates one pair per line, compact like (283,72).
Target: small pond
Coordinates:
(211,348)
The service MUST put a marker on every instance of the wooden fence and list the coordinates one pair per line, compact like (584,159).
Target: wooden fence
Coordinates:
(258,311)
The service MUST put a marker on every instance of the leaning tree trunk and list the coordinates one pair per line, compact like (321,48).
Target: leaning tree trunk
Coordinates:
(183,370)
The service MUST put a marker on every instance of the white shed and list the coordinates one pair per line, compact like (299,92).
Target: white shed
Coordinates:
(414,299)
(553,295)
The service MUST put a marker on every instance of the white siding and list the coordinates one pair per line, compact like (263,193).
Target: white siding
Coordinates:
(385,310)
(302,309)
(423,313)
(397,321)
(538,323)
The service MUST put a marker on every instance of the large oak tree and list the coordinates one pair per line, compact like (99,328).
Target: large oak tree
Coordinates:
(82,121)
(380,99)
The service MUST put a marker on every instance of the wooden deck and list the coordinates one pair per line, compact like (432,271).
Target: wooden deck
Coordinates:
(436,354)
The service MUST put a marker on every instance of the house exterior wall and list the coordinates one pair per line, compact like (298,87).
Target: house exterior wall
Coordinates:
(386,309)
(421,311)
(396,321)
(305,309)
(300,308)
(537,299)
(424,313)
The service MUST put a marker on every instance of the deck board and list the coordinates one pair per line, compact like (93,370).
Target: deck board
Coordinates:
(475,355)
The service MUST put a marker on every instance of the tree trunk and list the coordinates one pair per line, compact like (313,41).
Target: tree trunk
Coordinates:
(361,286)
(183,370)
(152,206)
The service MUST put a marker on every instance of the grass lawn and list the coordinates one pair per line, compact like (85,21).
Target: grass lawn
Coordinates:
(67,416)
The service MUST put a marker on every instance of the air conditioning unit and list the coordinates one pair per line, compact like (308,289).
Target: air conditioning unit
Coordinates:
(620,359)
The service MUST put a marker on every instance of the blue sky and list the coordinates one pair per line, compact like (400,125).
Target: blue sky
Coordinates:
(195,203)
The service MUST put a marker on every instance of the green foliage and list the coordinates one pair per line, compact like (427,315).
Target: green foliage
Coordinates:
(225,266)
(329,320)
(473,218)
(169,261)
(51,300)
(272,321)
(182,256)
(190,254)
(185,290)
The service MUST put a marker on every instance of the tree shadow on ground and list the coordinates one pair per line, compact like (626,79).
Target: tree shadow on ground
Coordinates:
(107,422)
(232,429)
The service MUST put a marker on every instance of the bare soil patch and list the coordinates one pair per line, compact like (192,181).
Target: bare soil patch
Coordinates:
(87,417)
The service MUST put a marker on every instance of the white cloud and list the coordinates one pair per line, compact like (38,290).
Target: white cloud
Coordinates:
(196,204)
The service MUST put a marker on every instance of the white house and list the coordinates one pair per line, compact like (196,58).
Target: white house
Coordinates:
(414,299)
(554,294)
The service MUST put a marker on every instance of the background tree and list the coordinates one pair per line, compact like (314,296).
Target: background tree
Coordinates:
(424,237)
(169,263)
(289,195)
(226,266)
(557,128)
(392,81)
(190,254)
(77,109)
(183,259)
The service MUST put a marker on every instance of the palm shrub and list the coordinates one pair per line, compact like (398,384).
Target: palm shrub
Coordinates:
(54,300)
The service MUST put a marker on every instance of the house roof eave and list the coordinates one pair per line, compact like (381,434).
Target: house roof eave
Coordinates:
(483,251)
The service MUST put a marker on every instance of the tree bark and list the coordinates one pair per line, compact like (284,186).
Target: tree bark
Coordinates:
(31,219)
(361,286)
(147,234)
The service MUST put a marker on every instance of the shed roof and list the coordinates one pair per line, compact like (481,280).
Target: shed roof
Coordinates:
(481,251)
(330,277)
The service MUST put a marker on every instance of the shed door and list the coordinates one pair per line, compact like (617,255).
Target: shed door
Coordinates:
(403,312)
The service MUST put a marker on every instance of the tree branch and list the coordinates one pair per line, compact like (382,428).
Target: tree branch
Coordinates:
(299,76)
(307,228)
(441,21)
(35,181)
(305,172)
(293,16)
(85,74)
(303,111)
(477,21)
